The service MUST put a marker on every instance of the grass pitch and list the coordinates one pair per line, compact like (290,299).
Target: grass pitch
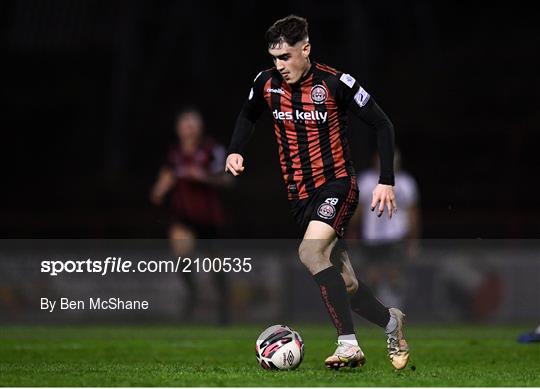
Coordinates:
(225,356)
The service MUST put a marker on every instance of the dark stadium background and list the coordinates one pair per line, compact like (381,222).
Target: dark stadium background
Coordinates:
(89,91)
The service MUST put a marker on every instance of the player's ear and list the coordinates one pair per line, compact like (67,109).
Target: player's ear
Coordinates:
(306,49)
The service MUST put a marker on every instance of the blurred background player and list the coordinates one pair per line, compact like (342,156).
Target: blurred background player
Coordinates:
(192,176)
(387,244)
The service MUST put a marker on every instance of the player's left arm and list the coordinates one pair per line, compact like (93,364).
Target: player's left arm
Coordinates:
(359,102)
(383,193)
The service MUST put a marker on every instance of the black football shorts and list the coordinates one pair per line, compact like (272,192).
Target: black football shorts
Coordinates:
(332,203)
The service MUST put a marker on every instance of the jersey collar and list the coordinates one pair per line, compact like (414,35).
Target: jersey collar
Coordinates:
(307,75)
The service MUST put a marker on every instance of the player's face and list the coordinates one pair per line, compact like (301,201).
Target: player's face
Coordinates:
(291,61)
(189,126)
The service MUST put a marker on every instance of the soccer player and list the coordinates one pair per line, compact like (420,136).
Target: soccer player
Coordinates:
(309,102)
(192,174)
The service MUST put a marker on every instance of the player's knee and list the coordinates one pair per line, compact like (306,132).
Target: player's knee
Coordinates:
(351,285)
(182,239)
(310,254)
(305,253)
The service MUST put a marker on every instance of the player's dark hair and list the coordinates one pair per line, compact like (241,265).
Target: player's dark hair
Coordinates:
(291,29)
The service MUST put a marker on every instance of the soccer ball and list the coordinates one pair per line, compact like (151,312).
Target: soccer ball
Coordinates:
(279,348)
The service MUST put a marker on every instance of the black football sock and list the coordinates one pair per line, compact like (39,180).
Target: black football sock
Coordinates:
(364,303)
(334,295)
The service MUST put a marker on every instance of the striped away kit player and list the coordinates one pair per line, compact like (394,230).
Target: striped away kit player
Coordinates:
(310,124)
(309,103)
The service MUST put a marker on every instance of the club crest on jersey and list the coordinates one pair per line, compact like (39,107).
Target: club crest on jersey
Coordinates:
(326,211)
(318,94)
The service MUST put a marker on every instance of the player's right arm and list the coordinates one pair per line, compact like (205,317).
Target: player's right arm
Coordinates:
(163,184)
(245,123)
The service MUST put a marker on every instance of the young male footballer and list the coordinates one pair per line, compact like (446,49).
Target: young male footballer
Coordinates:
(309,102)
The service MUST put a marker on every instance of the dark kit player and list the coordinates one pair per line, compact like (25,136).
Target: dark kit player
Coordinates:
(309,103)
(192,174)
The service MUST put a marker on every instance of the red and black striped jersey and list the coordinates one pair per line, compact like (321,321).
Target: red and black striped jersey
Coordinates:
(310,124)
(193,201)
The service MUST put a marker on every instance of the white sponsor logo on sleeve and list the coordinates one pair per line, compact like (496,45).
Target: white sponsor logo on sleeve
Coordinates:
(361,97)
(274,90)
(347,79)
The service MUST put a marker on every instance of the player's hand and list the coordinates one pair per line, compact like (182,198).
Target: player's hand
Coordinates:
(383,195)
(234,164)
